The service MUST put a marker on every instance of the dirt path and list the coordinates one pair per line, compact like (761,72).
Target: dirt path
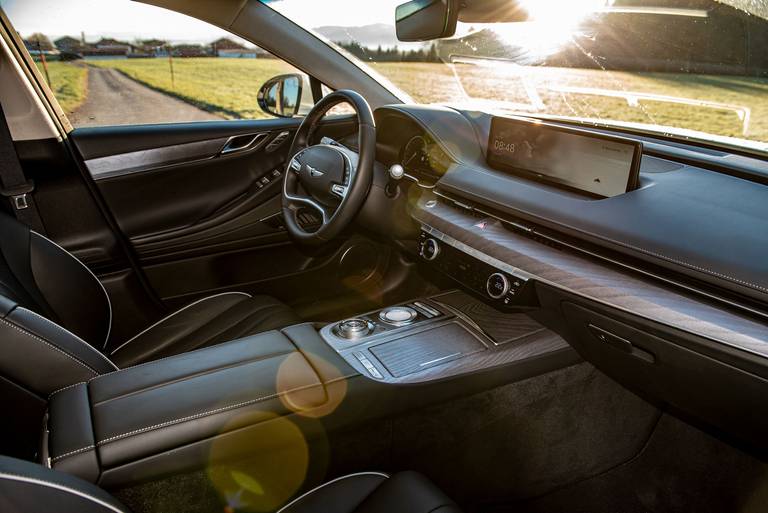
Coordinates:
(114,99)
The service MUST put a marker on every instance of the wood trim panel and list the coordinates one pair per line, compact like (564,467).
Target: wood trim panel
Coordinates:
(587,278)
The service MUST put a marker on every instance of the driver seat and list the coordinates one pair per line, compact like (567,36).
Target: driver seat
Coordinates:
(49,295)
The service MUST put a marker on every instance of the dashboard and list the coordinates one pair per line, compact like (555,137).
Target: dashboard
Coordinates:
(700,226)
(663,284)
(401,140)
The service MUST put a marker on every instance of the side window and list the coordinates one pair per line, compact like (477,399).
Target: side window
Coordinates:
(112,62)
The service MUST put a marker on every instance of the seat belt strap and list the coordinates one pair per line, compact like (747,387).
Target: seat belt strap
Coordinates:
(14,184)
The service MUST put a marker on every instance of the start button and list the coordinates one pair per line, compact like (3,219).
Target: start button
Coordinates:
(398,315)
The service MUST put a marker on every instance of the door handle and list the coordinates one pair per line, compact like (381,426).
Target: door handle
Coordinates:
(242,143)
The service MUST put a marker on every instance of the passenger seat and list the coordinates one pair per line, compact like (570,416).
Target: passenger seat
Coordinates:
(31,488)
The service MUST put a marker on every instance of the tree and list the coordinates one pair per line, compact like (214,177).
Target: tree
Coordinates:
(432,56)
(40,41)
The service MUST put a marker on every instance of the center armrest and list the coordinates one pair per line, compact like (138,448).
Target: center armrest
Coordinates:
(120,425)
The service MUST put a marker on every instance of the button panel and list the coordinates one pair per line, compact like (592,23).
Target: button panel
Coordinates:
(404,316)
(373,371)
(268,178)
(503,289)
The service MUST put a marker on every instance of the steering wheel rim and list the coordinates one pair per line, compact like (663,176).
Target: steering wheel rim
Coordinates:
(304,184)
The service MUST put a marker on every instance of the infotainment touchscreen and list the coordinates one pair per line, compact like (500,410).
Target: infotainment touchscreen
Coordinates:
(596,164)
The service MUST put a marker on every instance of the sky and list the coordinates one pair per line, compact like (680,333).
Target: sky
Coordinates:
(121,19)
(124,19)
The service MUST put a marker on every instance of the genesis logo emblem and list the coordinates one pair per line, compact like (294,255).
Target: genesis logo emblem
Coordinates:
(314,172)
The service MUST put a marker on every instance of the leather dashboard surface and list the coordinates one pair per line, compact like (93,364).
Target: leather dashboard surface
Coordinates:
(704,224)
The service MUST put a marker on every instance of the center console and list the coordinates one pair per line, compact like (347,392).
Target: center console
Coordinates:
(436,338)
(235,400)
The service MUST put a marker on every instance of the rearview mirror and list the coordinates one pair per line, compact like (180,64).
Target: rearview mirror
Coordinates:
(281,95)
(423,20)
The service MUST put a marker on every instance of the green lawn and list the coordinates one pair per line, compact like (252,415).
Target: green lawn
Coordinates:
(225,86)
(229,86)
(69,83)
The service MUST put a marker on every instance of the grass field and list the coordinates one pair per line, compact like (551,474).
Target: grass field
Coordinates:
(229,87)
(224,86)
(69,83)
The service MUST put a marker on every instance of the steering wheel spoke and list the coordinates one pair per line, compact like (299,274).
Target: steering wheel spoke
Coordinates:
(295,164)
(298,201)
(328,177)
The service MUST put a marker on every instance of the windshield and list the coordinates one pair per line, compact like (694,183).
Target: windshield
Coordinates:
(696,69)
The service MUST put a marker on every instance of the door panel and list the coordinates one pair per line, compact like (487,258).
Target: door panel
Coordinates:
(202,220)
(168,201)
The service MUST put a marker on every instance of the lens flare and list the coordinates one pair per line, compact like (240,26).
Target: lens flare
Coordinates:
(552,25)
(279,465)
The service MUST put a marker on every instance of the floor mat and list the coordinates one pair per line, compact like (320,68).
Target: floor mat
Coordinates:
(681,469)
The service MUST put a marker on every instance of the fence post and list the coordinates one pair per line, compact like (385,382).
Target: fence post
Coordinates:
(170,64)
(45,64)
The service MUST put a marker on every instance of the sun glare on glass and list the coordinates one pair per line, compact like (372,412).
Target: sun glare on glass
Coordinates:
(552,24)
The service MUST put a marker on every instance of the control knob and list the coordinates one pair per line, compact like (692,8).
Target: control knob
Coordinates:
(497,285)
(430,249)
(354,328)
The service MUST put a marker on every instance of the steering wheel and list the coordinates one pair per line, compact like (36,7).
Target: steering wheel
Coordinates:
(328,178)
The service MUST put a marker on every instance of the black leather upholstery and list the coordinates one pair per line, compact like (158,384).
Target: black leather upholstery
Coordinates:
(30,488)
(55,319)
(206,322)
(371,492)
(223,396)
(38,275)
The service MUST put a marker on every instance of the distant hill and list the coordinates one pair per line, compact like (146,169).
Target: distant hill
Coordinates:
(367,35)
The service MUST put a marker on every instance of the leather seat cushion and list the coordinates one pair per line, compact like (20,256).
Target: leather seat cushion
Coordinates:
(30,488)
(206,322)
(371,492)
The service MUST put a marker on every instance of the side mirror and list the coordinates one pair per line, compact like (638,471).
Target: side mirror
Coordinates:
(424,20)
(281,96)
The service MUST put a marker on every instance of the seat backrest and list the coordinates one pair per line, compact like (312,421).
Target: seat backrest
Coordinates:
(31,488)
(37,274)
(50,305)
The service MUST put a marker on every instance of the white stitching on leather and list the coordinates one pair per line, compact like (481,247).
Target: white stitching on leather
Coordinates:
(218,410)
(72,453)
(52,346)
(66,332)
(63,488)
(171,315)
(316,488)
(147,363)
(174,356)
(631,246)
(50,396)
(109,303)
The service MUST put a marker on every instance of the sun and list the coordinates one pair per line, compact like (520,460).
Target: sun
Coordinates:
(562,12)
(552,24)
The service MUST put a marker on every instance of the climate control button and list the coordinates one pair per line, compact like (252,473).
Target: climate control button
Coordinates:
(497,285)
